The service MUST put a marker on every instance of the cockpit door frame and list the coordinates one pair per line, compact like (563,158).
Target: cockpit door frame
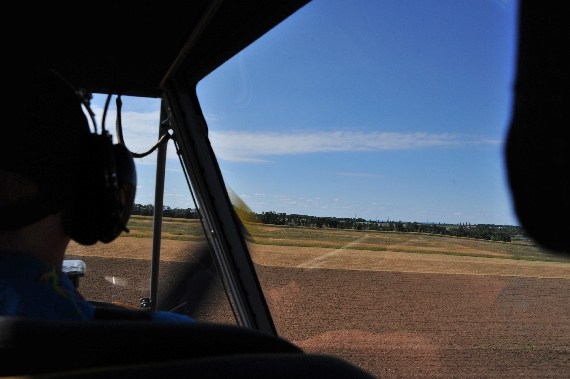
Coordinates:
(223,227)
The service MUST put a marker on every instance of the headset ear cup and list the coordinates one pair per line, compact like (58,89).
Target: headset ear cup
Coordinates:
(104,195)
(126,187)
(83,217)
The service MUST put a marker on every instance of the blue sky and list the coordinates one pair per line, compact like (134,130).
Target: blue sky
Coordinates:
(379,109)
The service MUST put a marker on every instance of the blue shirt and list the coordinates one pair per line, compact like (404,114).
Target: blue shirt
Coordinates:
(33,288)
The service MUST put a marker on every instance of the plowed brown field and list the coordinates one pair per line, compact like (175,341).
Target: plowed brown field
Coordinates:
(394,314)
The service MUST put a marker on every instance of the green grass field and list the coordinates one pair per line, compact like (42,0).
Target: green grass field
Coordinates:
(172,228)
(264,234)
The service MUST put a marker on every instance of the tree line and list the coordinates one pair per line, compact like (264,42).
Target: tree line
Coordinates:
(148,210)
(479,231)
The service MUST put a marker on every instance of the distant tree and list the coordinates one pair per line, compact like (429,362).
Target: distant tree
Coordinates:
(413,227)
(399,226)
(332,223)
(147,210)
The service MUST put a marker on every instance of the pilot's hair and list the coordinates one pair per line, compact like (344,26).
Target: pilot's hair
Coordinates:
(42,142)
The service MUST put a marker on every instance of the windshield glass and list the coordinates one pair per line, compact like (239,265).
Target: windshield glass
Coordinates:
(362,145)
(120,272)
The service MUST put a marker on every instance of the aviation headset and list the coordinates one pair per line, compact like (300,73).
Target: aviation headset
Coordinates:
(105,192)
(82,173)
(103,197)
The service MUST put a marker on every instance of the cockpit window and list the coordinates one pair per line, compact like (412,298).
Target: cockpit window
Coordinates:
(407,103)
(362,145)
(120,272)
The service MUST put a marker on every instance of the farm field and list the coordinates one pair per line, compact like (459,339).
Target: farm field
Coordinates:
(274,235)
(398,305)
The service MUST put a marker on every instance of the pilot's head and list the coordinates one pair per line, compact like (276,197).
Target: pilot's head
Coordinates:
(42,144)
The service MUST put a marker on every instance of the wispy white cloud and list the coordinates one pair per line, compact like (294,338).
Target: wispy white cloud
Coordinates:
(210,117)
(141,132)
(145,123)
(359,174)
(250,146)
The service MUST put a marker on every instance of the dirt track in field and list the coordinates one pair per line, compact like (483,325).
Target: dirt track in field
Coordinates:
(394,314)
